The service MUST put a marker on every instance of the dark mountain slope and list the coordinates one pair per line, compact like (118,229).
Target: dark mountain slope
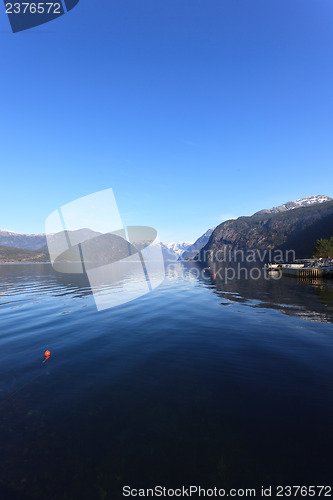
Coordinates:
(10,254)
(296,230)
(193,249)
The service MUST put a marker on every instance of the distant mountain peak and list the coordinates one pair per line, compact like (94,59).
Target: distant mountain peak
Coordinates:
(195,247)
(291,205)
(7,231)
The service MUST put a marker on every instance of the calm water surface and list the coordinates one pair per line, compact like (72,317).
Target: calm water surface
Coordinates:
(199,382)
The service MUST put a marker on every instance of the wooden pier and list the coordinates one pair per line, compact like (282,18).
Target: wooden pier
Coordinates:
(303,272)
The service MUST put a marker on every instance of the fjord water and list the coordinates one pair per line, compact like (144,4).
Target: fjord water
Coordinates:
(199,382)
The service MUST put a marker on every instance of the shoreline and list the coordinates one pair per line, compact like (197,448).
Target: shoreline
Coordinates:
(12,263)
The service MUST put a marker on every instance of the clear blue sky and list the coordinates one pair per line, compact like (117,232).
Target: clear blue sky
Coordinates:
(193,111)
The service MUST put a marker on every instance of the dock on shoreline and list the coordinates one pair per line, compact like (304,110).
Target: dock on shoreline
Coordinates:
(304,272)
(318,269)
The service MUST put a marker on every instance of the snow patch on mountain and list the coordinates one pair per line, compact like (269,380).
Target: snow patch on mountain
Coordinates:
(311,200)
(178,248)
(6,232)
(291,205)
(173,250)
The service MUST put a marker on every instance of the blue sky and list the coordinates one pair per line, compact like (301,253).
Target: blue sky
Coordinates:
(193,111)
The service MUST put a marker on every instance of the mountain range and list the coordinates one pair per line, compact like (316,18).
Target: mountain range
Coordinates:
(295,224)
(15,247)
(26,241)
(38,242)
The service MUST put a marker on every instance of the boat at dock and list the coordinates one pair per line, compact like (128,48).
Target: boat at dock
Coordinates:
(272,267)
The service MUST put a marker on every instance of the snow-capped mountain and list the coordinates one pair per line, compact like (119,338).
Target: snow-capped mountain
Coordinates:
(27,241)
(6,232)
(172,250)
(291,205)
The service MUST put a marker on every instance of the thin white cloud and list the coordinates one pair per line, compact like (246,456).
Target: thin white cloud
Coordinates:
(226,216)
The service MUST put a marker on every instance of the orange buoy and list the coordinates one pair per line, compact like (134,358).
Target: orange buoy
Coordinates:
(214,275)
(47,354)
